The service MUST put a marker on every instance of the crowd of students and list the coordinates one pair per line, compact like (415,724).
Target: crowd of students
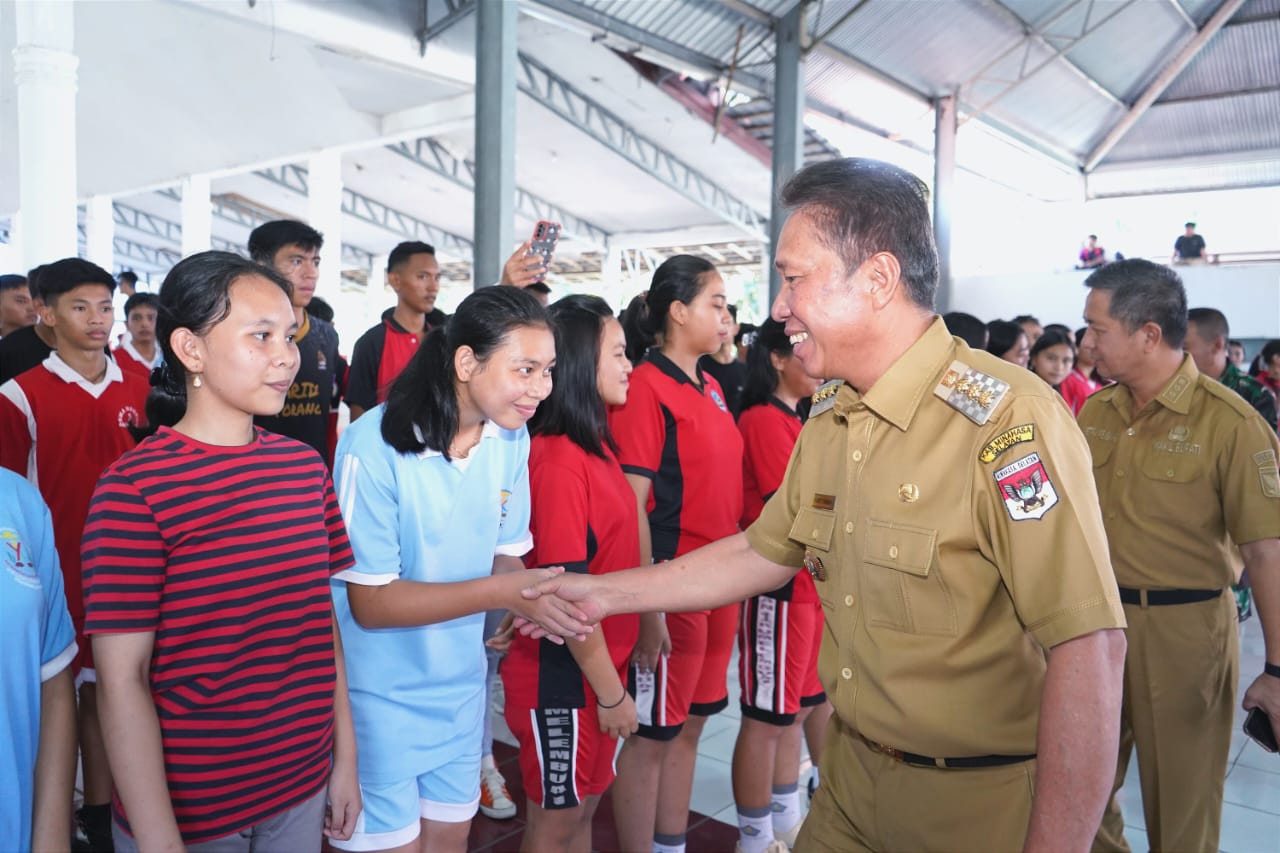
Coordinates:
(256,630)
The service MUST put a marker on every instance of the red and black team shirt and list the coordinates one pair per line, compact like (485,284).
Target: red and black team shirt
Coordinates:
(769,433)
(225,553)
(380,355)
(584,518)
(678,432)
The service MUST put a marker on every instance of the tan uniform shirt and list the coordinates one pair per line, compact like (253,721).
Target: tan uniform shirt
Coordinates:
(1182,480)
(940,586)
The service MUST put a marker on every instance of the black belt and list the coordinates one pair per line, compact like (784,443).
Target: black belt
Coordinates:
(928,761)
(1161,597)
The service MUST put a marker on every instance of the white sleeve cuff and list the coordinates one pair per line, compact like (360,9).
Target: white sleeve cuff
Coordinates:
(363,579)
(515,549)
(59,662)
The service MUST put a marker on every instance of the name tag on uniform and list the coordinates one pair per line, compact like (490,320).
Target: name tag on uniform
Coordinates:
(827,502)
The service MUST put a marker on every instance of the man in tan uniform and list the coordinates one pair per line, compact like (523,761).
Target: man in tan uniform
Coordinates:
(1184,468)
(943,503)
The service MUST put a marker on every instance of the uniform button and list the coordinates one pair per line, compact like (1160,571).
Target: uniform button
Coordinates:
(1120,472)
(413,341)
(1130,431)
(857,456)
(848,601)
(848,527)
(893,552)
(815,533)
(846,673)
(1169,473)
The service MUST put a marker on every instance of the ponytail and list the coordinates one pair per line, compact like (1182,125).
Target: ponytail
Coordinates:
(761,382)
(166,404)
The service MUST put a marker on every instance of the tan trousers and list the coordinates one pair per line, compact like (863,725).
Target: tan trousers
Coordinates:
(1180,678)
(870,802)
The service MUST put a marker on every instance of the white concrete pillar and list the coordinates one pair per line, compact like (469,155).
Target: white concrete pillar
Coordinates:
(324,213)
(100,232)
(45,79)
(197,215)
(376,295)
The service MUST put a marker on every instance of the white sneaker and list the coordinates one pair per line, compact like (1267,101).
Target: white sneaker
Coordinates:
(776,846)
(495,800)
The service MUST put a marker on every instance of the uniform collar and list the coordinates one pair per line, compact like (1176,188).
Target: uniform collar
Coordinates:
(59,368)
(783,407)
(304,328)
(1175,396)
(127,346)
(669,367)
(489,430)
(897,393)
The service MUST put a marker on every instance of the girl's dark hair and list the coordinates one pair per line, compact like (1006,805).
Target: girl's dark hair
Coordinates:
(575,408)
(422,404)
(1002,335)
(762,378)
(632,320)
(195,295)
(678,279)
(1051,338)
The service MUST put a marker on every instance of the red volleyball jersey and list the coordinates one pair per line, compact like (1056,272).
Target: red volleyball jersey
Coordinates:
(679,434)
(585,519)
(60,432)
(769,434)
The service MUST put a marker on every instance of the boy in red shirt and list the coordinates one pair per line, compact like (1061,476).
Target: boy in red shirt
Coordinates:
(61,423)
(138,352)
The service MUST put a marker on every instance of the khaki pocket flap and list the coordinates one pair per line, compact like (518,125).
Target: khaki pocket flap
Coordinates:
(900,546)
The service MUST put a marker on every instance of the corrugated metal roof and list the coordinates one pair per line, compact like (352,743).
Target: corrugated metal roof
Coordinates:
(710,29)
(1166,178)
(917,43)
(1126,53)
(1220,126)
(1230,62)
(1058,105)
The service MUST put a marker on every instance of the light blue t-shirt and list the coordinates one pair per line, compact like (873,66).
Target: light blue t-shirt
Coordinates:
(36,643)
(417,694)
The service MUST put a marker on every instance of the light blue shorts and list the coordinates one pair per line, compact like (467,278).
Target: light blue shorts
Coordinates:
(391,811)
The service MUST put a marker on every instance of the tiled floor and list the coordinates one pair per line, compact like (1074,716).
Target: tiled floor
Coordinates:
(1250,818)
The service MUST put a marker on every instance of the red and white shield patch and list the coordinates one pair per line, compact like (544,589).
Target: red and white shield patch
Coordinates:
(1026,489)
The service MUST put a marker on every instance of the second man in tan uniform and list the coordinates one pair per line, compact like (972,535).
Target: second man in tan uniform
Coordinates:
(1185,469)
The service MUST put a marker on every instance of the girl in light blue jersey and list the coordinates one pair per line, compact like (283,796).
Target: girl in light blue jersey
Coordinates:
(434,488)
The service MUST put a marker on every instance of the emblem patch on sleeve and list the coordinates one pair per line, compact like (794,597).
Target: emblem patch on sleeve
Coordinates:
(1026,489)
(1268,474)
(971,392)
(1007,439)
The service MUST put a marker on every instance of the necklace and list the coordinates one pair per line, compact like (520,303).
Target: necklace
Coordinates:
(456,453)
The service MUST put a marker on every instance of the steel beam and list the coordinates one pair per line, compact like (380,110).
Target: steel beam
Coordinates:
(944,170)
(138,220)
(294,178)
(788,123)
(606,127)
(433,156)
(245,216)
(1166,76)
(495,175)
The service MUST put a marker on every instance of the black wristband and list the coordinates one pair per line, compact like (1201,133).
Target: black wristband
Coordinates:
(1271,669)
(599,704)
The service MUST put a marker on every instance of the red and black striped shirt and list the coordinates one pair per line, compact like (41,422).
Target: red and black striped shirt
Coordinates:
(225,553)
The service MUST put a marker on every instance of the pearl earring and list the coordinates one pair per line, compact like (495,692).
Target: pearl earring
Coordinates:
(195,382)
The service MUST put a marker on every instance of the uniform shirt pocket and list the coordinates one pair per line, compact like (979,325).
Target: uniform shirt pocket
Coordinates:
(903,586)
(813,528)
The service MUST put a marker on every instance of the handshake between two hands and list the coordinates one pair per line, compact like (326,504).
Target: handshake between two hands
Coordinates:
(548,603)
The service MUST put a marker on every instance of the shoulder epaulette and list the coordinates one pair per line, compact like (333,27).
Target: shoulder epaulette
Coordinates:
(971,392)
(825,397)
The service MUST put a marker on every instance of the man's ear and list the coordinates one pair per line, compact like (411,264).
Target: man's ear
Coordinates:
(884,278)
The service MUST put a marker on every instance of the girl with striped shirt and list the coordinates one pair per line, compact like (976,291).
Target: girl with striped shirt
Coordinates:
(207,557)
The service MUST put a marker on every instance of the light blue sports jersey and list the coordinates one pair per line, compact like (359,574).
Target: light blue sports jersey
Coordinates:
(417,694)
(36,643)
